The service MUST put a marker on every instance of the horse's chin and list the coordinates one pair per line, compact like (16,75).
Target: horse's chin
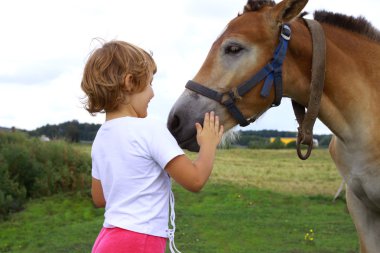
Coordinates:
(190,144)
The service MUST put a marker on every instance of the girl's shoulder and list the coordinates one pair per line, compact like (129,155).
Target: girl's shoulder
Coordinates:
(145,123)
(132,124)
(153,125)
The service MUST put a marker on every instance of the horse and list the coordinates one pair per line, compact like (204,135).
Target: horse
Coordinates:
(347,104)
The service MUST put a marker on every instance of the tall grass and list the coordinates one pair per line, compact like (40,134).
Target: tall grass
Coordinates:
(257,201)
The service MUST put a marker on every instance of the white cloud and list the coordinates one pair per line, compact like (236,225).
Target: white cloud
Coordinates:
(45,45)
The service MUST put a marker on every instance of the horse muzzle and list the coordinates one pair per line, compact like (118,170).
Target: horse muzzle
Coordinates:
(181,124)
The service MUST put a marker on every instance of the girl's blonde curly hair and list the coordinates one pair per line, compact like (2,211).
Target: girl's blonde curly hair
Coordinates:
(104,75)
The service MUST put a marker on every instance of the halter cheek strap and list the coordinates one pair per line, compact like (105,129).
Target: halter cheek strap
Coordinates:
(271,72)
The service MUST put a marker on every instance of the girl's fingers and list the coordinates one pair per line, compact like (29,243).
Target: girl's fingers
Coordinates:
(206,121)
(216,125)
(198,127)
(221,130)
(212,119)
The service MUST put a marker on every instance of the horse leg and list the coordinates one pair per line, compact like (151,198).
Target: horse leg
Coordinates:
(366,220)
(367,223)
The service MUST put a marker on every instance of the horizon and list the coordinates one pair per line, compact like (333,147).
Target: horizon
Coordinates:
(90,123)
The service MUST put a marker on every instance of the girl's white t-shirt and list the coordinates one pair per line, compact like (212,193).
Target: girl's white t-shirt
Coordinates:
(128,157)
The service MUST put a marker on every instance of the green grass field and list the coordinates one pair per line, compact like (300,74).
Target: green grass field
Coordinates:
(256,201)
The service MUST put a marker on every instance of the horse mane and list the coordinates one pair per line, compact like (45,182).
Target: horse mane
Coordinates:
(359,24)
(255,5)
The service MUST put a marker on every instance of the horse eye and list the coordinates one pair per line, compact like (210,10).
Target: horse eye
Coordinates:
(233,49)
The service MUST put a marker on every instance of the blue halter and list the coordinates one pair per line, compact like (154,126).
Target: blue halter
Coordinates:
(272,73)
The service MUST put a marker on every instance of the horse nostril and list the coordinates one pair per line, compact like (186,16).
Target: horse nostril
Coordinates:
(174,124)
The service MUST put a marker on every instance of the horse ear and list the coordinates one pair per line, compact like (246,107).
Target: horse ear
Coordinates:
(287,10)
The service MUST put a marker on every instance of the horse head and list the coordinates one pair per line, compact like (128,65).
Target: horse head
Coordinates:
(235,60)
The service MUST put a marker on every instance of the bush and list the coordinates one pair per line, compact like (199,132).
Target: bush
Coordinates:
(30,168)
(324,141)
(257,142)
(12,195)
(277,144)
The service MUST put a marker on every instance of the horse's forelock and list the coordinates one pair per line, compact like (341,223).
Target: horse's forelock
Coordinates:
(255,5)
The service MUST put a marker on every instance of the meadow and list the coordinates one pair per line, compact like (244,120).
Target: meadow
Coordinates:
(256,201)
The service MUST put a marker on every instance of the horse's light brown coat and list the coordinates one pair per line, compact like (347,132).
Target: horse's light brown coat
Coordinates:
(349,105)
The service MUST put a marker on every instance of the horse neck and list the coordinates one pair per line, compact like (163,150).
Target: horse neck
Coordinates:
(349,59)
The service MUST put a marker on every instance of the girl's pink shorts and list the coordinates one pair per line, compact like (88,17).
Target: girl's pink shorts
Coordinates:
(117,240)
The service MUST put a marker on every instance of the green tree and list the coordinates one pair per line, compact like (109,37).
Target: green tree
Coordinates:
(72,131)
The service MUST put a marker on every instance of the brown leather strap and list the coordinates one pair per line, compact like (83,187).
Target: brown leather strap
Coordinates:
(307,119)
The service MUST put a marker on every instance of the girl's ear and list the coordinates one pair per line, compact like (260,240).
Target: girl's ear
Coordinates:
(128,83)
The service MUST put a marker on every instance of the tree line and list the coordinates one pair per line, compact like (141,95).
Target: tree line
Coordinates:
(74,131)
(261,139)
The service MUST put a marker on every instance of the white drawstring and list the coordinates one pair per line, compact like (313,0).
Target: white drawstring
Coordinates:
(171,231)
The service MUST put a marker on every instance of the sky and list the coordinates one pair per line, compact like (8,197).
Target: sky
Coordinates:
(45,45)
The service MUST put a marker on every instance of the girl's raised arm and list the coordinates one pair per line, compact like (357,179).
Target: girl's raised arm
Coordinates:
(193,175)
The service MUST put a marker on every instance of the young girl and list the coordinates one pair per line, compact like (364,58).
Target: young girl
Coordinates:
(133,156)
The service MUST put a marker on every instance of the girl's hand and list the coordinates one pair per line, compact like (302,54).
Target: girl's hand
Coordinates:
(194,174)
(211,133)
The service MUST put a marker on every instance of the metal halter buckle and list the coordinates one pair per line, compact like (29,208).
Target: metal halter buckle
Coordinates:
(285,32)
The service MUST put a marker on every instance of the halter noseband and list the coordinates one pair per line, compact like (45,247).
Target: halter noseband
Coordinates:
(272,73)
